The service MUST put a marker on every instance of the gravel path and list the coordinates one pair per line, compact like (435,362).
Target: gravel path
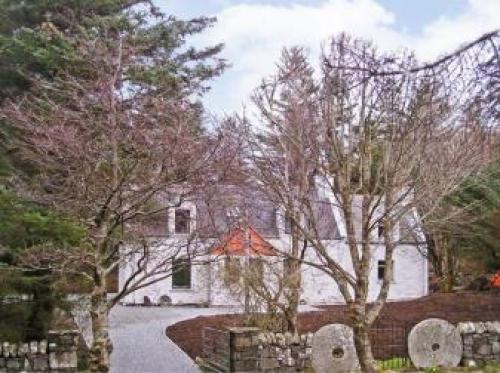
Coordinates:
(140,343)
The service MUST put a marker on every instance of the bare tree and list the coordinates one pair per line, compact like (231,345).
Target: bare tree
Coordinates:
(368,142)
(287,107)
(108,143)
(468,77)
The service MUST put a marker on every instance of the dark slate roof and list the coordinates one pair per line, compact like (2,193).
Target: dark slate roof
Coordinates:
(218,212)
(325,219)
(214,215)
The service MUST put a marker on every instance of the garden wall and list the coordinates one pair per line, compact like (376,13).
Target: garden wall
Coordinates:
(252,350)
(55,354)
(481,342)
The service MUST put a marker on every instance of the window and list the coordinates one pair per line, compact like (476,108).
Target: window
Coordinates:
(182,221)
(181,274)
(381,270)
(288,224)
(380,230)
(233,215)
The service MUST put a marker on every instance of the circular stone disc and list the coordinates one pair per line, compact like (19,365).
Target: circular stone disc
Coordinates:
(435,343)
(333,350)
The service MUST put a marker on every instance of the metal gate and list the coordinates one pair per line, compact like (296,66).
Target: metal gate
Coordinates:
(390,344)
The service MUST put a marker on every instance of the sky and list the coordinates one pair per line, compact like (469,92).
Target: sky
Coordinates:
(255,31)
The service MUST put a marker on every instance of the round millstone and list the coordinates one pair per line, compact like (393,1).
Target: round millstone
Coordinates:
(333,350)
(435,343)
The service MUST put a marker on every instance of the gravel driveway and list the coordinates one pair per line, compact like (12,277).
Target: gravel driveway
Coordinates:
(139,340)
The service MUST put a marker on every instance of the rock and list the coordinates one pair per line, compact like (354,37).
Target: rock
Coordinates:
(435,342)
(469,363)
(33,347)
(333,350)
(484,349)
(42,346)
(6,349)
(495,347)
(165,301)
(40,363)
(23,349)
(466,327)
(480,327)
(303,339)
(14,364)
(309,339)
(492,326)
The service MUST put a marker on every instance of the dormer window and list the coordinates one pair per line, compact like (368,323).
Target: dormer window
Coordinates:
(182,221)
(233,214)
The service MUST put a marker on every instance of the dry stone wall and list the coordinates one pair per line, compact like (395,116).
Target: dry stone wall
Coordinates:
(256,351)
(55,354)
(436,342)
(481,342)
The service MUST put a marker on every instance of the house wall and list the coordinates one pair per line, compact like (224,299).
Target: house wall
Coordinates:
(220,293)
(410,273)
(208,287)
(197,294)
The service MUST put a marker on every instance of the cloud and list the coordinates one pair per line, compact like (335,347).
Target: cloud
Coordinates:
(445,34)
(254,35)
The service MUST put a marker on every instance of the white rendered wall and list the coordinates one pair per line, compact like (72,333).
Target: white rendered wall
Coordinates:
(208,287)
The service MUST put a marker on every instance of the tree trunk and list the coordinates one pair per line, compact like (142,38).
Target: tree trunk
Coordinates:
(363,346)
(447,264)
(293,296)
(291,320)
(101,348)
(293,282)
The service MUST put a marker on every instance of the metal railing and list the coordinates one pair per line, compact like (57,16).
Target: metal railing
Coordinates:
(389,342)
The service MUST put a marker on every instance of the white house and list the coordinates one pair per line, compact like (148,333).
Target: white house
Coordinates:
(204,280)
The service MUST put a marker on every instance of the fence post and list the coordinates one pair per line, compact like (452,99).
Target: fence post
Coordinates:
(243,349)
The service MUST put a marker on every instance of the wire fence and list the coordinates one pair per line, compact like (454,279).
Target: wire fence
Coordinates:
(390,344)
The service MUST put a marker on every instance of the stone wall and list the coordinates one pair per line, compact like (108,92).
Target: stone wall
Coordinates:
(252,350)
(481,342)
(55,354)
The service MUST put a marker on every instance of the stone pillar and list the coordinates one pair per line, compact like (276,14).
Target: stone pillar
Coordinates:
(62,350)
(244,348)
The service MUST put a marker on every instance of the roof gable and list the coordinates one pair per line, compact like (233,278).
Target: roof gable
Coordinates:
(243,242)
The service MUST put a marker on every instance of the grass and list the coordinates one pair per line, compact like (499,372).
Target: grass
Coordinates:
(390,365)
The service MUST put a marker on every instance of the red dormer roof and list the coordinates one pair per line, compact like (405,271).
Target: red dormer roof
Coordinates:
(238,240)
